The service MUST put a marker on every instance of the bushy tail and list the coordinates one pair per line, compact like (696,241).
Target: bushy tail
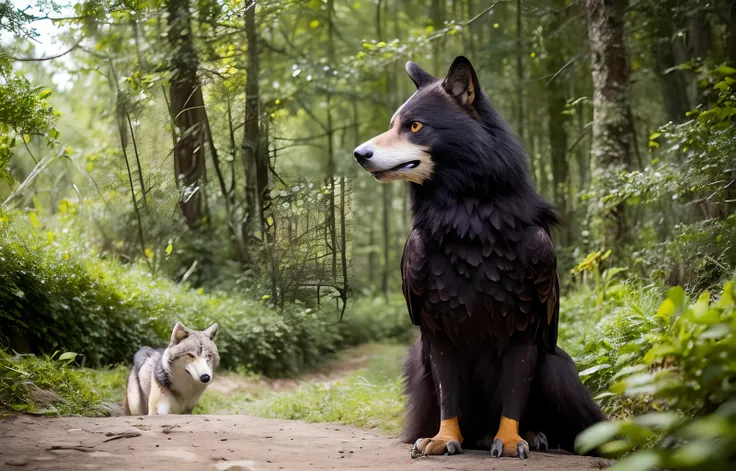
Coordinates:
(560,406)
(422,408)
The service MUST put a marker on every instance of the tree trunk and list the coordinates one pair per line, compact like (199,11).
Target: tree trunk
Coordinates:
(263,177)
(613,131)
(251,129)
(330,143)
(519,75)
(557,132)
(672,84)
(343,244)
(731,29)
(186,108)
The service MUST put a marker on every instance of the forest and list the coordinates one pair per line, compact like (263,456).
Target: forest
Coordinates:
(165,160)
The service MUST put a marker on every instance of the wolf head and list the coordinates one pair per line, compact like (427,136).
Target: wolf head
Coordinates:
(447,135)
(193,351)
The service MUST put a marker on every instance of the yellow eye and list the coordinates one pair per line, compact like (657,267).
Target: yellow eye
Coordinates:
(416,126)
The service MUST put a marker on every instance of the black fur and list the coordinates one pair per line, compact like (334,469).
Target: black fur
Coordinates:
(479,276)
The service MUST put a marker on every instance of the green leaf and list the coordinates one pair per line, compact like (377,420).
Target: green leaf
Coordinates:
(169,249)
(725,70)
(67,356)
(643,460)
(314,24)
(694,453)
(26,138)
(616,447)
(34,219)
(594,369)
(44,94)
(666,309)
(727,296)
(595,436)
(657,420)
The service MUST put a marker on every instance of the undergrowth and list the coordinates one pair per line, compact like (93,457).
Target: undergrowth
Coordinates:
(49,385)
(56,295)
(370,398)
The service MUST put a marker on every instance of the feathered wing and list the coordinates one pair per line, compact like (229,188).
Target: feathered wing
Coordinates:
(542,273)
(413,275)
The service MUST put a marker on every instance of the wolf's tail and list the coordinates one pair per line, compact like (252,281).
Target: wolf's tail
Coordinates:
(560,406)
(422,408)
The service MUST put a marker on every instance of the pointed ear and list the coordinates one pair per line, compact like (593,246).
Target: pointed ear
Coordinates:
(461,82)
(179,333)
(211,331)
(418,75)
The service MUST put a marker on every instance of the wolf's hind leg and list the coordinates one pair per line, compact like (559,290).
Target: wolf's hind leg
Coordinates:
(134,403)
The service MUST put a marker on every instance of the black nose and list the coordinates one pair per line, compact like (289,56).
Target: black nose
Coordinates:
(362,154)
(205,378)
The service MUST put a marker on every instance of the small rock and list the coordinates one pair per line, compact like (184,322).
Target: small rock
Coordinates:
(17,462)
(43,397)
(112,409)
(243,465)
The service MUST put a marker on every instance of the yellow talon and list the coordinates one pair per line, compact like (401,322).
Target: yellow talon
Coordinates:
(447,440)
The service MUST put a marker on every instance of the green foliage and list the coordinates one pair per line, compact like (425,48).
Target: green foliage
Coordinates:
(50,300)
(46,384)
(688,191)
(683,367)
(54,296)
(24,112)
(369,319)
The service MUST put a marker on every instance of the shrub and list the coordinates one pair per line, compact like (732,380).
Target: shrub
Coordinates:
(54,296)
(686,375)
(46,385)
(370,319)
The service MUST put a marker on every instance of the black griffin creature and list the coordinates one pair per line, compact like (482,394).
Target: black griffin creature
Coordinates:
(479,277)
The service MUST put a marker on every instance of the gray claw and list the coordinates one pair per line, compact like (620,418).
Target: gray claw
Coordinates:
(415,452)
(522,450)
(497,448)
(453,448)
(540,442)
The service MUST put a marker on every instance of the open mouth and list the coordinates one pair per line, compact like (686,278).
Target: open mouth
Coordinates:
(405,166)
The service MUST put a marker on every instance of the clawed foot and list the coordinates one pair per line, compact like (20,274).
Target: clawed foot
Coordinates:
(516,447)
(538,440)
(446,442)
(435,446)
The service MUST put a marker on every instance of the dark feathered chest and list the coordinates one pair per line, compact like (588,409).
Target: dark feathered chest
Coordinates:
(472,268)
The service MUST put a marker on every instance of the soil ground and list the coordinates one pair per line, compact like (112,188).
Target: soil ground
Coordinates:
(183,443)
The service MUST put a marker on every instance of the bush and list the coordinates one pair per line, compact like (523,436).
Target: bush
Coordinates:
(54,296)
(46,385)
(685,372)
(371,319)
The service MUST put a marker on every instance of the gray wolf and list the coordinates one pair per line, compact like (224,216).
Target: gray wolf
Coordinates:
(479,274)
(171,380)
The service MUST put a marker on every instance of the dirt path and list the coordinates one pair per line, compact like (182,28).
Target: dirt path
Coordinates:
(202,443)
(335,369)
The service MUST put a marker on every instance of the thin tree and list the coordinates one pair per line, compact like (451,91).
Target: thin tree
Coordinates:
(251,137)
(186,109)
(613,131)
